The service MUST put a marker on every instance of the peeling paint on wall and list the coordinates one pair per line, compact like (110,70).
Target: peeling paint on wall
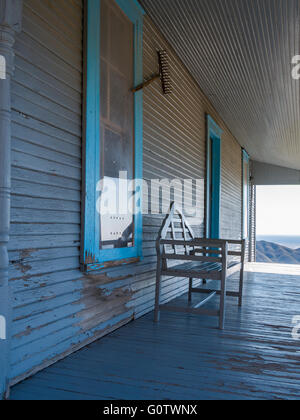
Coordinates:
(102,300)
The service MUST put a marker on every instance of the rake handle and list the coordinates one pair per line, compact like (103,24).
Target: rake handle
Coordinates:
(145,84)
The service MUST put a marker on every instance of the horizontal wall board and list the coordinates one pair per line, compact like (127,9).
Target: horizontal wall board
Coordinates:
(34,95)
(19,145)
(22,188)
(45,180)
(27,161)
(19,285)
(19,242)
(33,110)
(44,229)
(37,255)
(44,128)
(28,269)
(44,216)
(44,204)
(24,133)
(34,78)
(51,39)
(30,50)
(61,19)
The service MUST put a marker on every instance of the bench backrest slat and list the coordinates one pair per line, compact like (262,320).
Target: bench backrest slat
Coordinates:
(176,235)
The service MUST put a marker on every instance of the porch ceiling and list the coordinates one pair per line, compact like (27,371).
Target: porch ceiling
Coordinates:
(240,52)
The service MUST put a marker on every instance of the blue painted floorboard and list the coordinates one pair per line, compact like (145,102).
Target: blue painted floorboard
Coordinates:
(187,357)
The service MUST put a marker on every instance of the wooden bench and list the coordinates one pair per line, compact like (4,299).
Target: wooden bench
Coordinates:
(181,255)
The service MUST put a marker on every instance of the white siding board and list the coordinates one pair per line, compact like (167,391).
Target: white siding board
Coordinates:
(45,191)
(45,204)
(30,76)
(42,140)
(20,145)
(42,242)
(31,109)
(47,37)
(53,14)
(37,96)
(26,161)
(29,50)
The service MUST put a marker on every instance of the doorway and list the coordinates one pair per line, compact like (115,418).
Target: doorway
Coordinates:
(213,177)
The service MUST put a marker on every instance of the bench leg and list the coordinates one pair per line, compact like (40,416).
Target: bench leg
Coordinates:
(190,290)
(223,301)
(157,297)
(241,288)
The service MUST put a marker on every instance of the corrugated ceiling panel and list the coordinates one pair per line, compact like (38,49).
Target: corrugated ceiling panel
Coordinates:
(240,52)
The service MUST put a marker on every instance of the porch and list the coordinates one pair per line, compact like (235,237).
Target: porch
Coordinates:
(187,357)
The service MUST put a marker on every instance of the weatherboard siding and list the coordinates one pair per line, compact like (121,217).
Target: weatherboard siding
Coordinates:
(46,183)
(58,309)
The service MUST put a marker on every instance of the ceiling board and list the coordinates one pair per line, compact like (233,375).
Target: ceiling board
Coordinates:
(240,52)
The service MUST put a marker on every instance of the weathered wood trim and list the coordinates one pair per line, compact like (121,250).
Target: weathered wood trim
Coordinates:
(10,23)
(110,264)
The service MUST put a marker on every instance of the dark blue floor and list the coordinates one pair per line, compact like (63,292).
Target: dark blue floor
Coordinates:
(187,357)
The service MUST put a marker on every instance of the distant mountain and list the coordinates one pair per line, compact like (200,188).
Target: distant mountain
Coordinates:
(288,241)
(269,252)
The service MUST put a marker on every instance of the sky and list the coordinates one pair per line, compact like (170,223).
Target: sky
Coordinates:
(278,210)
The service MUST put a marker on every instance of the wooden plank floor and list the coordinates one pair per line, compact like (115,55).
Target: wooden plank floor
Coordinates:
(187,357)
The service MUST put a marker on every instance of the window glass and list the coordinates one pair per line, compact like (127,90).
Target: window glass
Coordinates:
(117,126)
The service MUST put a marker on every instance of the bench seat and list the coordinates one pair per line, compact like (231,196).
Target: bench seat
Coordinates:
(181,255)
(205,271)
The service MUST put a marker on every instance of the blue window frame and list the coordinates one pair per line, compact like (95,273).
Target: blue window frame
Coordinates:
(213,179)
(93,255)
(246,193)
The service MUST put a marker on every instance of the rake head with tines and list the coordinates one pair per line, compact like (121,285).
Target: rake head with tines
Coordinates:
(163,75)
(164,70)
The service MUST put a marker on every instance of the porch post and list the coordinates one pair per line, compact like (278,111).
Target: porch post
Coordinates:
(10,24)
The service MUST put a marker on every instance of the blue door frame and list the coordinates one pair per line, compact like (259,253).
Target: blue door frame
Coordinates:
(246,193)
(213,179)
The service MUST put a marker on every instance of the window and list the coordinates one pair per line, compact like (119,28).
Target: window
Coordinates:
(113,133)
(246,192)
